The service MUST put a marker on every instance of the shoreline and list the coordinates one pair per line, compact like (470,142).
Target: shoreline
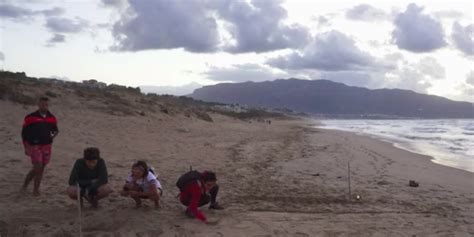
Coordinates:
(407,146)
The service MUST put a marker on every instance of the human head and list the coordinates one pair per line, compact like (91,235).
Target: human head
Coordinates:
(91,156)
(139,169)
(209,179)
(43,104)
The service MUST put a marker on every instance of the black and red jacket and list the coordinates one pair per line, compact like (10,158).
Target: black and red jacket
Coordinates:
(38,130)
(194,190)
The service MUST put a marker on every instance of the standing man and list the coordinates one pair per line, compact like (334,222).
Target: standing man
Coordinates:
(39,130)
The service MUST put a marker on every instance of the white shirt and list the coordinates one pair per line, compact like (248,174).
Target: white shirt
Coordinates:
(147,182)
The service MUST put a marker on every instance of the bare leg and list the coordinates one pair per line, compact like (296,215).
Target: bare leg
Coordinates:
(154,195)
(38,169)
(28,178)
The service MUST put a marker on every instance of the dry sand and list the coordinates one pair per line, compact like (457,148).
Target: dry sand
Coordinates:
(283,179)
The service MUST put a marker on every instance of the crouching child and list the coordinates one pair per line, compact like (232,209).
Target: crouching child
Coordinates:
(198,189)
(90,175)
(142,183)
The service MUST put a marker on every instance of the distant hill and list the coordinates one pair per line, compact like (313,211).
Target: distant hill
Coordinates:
(171,90)
(329,98)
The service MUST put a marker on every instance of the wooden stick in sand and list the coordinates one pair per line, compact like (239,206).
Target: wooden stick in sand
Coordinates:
(349,178)
(79,208)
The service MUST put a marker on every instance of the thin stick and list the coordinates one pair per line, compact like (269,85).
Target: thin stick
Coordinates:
(349,178)
(79,208)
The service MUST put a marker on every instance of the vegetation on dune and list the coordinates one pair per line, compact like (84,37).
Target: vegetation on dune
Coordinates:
(116,99)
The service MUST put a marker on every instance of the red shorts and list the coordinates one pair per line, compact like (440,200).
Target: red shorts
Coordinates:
(39,153)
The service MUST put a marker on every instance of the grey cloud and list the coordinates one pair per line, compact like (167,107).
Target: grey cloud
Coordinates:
(365,12)
(463,38)
(331,51)
(243,73)
(112,2)
(321,20)
(257,26)
(57,11)
(57,38)
(65,25)
(417,32)
(2,56)
(163,24)
(13,12)
(470,78)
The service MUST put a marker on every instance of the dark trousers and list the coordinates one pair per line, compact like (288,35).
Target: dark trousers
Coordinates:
(205,198)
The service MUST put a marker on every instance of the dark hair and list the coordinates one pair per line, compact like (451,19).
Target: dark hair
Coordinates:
(44,98)
(143,165)
(91,153)
(209,176)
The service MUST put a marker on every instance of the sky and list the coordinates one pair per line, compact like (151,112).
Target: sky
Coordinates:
(424,46)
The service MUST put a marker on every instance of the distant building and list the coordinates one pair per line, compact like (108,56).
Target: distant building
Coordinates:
(92,83)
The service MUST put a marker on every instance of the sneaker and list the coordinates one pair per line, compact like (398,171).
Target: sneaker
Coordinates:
(188,213)
(216,206)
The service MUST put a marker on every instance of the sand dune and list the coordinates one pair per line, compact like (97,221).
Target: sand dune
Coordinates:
(283,179)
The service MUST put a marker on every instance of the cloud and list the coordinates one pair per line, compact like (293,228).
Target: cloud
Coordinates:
(409,78)
(65,25)
(13,12)
(57,11)
(113,3)
(413,76)
(322,21)
(331,51)
(351,78)
(243,73)
(2,56)
(470,78)
(463,38)
(448,14)
(429,66)
(365,12)
(257,26)
(207,26)
(57,38)
(165,24)
(416,32)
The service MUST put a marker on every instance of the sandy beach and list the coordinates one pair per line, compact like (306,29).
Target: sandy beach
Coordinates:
(283,179)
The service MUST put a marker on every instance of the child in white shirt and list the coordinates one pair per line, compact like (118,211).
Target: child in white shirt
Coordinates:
(142,184)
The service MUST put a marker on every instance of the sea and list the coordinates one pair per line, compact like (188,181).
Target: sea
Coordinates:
(449,141)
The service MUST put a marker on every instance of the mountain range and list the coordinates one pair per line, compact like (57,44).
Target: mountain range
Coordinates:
(324,97)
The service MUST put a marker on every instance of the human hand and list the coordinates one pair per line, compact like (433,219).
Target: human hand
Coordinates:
(27,148)
(212,222)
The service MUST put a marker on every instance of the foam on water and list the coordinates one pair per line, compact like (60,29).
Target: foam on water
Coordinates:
(449,142)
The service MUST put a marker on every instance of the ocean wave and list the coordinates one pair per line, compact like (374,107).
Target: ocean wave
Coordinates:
(450,142)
